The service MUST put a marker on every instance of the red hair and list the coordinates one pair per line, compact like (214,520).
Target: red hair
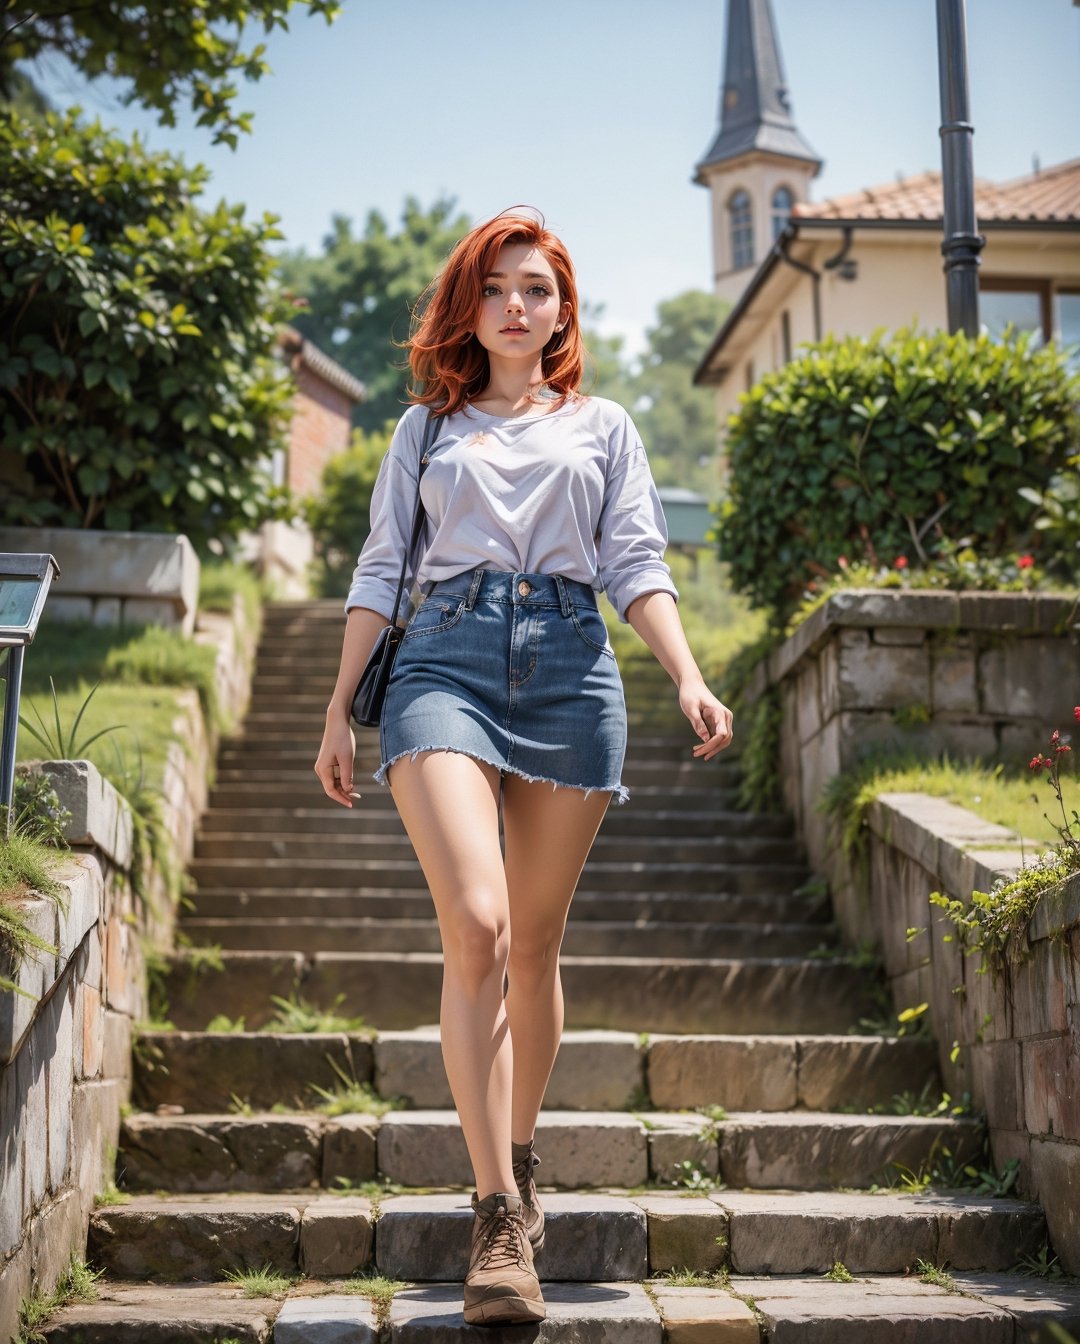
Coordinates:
(448,363)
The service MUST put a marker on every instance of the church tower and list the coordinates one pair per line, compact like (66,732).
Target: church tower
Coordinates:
(759,165)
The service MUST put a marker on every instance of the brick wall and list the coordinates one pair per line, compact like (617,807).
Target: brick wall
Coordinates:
(320,428)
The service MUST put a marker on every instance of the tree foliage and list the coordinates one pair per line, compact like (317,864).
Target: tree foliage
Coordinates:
(360,293)
(167,51)
(141,384)
(892,446)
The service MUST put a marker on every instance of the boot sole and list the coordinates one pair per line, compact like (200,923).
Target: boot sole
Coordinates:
(505,1311)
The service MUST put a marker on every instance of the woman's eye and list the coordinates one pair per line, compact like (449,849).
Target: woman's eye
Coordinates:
(542,288)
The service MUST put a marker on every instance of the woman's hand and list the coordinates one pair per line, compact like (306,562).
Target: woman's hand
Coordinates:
(334,765)
(710,719)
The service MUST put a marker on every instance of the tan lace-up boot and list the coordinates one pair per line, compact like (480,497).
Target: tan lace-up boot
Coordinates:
(501,1287)
(525,1161)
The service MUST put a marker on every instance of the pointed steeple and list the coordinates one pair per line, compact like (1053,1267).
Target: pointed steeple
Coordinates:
(755,111)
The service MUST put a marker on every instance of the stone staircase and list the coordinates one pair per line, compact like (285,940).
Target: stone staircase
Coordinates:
(708,1151)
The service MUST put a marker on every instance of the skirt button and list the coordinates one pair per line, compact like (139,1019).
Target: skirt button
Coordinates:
(524,588)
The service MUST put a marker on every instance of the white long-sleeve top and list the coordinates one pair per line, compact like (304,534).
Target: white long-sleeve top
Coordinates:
(565,492)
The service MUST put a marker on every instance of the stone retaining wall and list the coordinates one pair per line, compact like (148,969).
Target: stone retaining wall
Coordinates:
(115,578)
(1019,1038)
(978,674)
(65,1052)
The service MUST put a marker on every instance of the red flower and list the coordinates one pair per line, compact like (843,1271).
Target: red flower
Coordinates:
(1025,562)
(1036,762)
(1062,747)
(901,562)
(1076,712)
(1055,735)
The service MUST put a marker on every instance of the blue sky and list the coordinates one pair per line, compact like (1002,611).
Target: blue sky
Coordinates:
(597,110)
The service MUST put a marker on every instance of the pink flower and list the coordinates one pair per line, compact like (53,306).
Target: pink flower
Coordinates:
(1055,735)
(901,562)
(1062,746)
(841,560)
(1025,562)
(1036,762)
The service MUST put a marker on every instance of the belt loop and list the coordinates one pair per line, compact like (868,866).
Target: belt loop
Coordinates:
(564,597)
(474,589)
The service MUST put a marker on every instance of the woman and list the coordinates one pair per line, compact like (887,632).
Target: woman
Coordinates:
(505,694)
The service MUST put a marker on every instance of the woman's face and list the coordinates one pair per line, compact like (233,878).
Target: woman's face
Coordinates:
(520,307)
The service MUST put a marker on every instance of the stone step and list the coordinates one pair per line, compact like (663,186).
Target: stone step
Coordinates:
(794,1150)
(306,791)
(584,938)
(253,902)
(352,847)
(299,770)
(589,1237)
(627,820)
(785,995)
(873,1309)
(599,874)
(594,1070)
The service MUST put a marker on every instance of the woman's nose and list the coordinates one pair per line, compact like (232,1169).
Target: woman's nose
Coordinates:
(514,300)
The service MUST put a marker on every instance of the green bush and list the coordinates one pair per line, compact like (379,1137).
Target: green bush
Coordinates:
(872,447)
(141,386)
(339,515)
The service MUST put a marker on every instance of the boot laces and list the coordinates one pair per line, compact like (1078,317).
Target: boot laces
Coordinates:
(500,1241)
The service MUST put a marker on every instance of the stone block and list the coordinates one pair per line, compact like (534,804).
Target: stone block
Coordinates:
(32,1063)
(1029,678)
(861,1071)
(95,563)
(874,677)
(595,1071)
(35,975)
(704,1316)
(201,1071)
(584,1313)
(169,1239)
(670,1147)
(882,1310)
(1033,1303)
(100,817)
(999,1087)
(55,1023)
(16,1284)
(55,1232)
(95,1132)
(685,1232)
(1055,1167)
(587,1238)
(116,1046)
(808,698)
(107,611)
(336,1318)
(349,1150)
(953,680)
(244,987)
(976,1237)
(899,635)
(336,1236)
(140,1312)
(216,1153)
(738,1072)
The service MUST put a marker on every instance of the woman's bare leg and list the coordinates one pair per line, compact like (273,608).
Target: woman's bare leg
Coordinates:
(548,833)
(449,803)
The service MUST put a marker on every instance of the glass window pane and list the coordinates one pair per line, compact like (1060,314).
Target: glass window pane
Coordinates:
(1023,308)
(1067,325)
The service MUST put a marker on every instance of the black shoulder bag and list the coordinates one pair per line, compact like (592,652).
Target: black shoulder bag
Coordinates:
(371,688)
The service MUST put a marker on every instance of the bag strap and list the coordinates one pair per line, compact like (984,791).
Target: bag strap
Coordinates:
(418,512)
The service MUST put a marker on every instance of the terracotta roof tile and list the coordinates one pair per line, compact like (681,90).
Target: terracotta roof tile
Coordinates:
(1051,194)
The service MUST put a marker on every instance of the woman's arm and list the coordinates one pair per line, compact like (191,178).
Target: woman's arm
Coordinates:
(655,617)
(337,751)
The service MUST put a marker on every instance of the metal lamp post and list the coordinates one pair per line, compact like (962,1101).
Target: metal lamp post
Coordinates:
(962,242)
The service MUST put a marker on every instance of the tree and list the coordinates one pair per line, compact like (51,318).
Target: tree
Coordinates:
(168,50)
(142,387)
(359,295)
(678,420)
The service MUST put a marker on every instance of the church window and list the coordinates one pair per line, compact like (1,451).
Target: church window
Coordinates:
(782,204)
(742,230)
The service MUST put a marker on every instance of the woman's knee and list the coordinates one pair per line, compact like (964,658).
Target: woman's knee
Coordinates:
(534,955)
(475,946)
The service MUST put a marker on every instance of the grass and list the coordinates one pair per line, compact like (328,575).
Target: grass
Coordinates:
(75,1284)
(264,1282)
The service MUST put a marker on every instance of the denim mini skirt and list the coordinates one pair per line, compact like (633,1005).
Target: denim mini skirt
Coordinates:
(514,670)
